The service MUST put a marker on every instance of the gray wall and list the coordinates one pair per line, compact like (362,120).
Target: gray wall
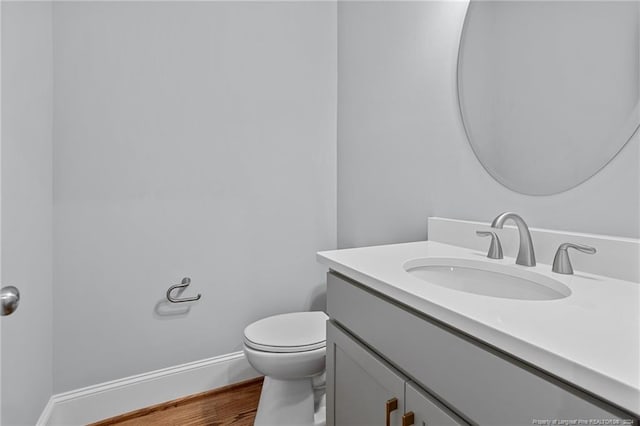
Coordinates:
(402,150)
(27,89)
(199,139)
(191,139)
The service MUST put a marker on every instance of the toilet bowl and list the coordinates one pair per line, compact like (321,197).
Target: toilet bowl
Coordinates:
(289,350)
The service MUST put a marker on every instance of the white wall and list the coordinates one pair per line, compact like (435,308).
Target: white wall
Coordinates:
(191,139)
(26,208)
(402,150)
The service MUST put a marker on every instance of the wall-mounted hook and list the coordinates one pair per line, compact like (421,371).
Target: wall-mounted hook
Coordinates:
(185,283)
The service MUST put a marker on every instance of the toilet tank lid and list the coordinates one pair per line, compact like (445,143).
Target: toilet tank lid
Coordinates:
(294,330)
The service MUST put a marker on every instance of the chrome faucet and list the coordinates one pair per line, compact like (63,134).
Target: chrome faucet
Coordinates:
(526,255)
(561,262)
(495,249)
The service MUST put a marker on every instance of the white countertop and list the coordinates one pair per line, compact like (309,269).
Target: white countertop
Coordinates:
(590,338)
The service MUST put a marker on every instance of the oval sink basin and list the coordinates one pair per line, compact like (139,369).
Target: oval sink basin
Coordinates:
(487,279)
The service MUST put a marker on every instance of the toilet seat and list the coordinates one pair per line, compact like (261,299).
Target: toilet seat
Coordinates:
(288,333)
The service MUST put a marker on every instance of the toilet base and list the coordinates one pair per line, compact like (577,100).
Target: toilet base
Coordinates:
(290,402)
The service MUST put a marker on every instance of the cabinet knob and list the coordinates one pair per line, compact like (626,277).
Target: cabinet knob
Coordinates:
(408,419)
(9,300)
(392,405)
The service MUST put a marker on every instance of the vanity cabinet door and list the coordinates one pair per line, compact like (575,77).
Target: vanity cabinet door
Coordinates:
(426,410)
(484,385)
(362,390)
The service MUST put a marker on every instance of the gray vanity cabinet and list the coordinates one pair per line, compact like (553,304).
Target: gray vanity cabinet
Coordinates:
(360,385)
(363,390)
(378,349)
(426,410)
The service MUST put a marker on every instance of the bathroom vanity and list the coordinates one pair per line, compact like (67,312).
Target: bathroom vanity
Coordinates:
(402,350)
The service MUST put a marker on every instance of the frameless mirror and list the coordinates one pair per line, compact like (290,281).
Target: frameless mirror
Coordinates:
(549,91)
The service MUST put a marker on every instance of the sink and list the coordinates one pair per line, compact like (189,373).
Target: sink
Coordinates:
(487,279)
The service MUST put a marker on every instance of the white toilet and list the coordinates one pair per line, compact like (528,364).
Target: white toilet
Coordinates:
(289,349)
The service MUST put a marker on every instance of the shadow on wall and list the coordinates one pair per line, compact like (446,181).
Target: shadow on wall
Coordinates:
(165,310)
(318,298)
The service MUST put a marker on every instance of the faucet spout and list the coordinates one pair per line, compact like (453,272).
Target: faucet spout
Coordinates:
(526,256)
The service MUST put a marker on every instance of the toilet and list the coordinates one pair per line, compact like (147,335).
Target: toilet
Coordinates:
(289,350)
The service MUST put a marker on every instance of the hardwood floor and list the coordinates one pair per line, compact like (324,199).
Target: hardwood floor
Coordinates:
(231,405)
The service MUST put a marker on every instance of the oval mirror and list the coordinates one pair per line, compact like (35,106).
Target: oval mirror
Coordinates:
(549,91)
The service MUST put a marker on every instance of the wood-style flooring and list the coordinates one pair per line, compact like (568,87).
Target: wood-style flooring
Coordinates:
(231,405)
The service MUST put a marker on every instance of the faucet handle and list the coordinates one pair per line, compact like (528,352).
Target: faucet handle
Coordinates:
(562,263)
(495,248)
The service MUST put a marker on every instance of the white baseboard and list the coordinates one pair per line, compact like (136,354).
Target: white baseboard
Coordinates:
(98,402)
